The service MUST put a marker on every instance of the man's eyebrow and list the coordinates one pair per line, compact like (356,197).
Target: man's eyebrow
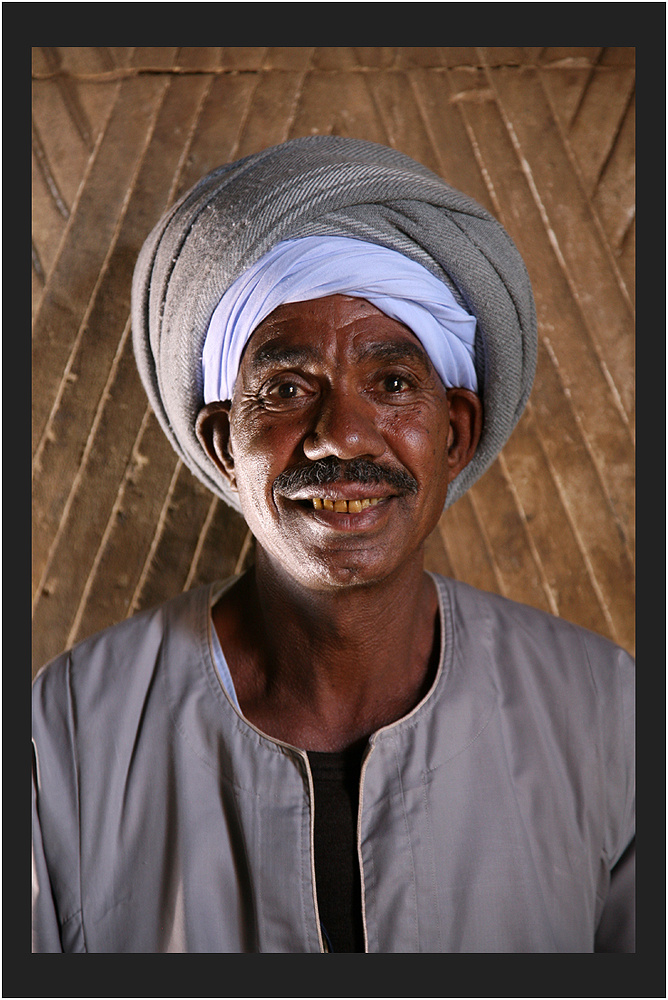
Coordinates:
(281,354)
(395,350)
(287,355)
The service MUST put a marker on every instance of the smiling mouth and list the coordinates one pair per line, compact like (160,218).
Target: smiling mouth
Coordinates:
(343,506)
(319,485)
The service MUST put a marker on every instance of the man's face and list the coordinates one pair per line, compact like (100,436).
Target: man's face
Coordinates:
(339,428)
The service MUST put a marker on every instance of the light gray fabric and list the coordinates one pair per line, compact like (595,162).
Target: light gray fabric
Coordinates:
(330,185)
(494,818)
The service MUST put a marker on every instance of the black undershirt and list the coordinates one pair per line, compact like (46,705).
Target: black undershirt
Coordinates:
(336,779)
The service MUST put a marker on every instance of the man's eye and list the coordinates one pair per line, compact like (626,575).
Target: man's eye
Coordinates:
(287,391)
(395,383)
(284,390)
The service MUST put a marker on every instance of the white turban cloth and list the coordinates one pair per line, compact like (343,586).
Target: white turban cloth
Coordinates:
(316,266)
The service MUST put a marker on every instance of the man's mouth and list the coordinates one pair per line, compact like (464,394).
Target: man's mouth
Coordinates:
(344,506)
(343,488)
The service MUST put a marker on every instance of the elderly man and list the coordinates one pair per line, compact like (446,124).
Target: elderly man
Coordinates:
(337,751)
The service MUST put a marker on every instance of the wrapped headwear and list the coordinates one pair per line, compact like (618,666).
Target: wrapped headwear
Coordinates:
(315,266)
(326,186)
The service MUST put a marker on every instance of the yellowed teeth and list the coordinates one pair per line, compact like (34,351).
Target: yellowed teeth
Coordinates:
(344,506)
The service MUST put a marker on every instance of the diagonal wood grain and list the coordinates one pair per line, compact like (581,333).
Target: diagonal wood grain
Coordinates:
(544,137)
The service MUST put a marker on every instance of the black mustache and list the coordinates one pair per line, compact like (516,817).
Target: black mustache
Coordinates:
(329,470)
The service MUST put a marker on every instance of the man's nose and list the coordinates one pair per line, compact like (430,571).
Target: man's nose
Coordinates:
(345,427)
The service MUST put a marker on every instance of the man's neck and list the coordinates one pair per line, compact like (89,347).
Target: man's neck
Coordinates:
(323,669)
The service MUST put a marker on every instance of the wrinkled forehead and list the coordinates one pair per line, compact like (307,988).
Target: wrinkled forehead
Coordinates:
(308,332)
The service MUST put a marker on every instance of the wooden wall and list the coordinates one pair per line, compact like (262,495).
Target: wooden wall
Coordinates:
(543,137)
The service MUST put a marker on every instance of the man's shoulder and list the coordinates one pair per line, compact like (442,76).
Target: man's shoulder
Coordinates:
(513,625)
(129,645)
(544,663)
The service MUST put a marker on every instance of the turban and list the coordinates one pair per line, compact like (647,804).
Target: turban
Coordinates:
(315,266)
(326,186)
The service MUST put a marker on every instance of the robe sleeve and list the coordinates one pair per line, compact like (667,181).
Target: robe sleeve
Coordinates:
(45,925)
(616,928)
(56,899)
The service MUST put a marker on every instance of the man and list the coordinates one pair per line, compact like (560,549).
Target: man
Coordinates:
(336,751)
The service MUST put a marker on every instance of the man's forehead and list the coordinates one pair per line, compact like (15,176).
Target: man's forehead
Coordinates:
(296,332)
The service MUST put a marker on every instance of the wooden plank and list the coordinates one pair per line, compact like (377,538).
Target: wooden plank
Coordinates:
(626,257)
(453,143)
(424,57)
(63,152)
(332,57)
(461,55)
(155,57)
(219,127)
(68,426)
(614,200)
(176,533)
(242,57)
(436,555)
(59,521)
(271,112)
(338,104)
(295,59)
(81,66)
(400,114)
(614,197)
(71,552)
(60,152)
(60,157)
(564,213)
(533,54)
(568,216)
(605,455)
(566,57)
(121,54)
(588,507)
(594,129)
(222,540)
(550,530)
(505,530)
(469,554)
(125,530)
(162,164)
(501,55)
(92,230)
(204,58)
(375,56)
(467,550)
(69,93)
(564,89)
(618,55)
(50,213)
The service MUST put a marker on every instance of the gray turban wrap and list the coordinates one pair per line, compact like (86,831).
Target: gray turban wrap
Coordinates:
(314,186)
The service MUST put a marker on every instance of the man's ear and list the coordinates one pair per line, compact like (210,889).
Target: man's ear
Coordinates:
(465,428)
(213,432)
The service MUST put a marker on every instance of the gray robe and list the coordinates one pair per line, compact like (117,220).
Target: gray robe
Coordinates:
(498,816)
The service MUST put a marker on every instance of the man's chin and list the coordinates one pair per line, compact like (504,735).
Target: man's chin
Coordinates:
(340,569)
(330,550)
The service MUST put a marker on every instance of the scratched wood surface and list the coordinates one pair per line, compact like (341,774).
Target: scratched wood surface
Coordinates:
(543,137)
